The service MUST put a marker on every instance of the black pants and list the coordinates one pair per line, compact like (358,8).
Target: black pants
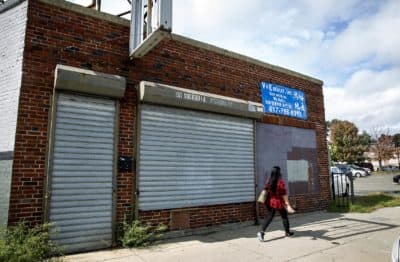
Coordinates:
(270,216)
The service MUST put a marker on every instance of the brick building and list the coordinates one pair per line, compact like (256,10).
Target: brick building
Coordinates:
(174,134)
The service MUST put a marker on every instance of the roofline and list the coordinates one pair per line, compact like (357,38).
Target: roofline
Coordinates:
(241,57)
(10,4)
(157,36)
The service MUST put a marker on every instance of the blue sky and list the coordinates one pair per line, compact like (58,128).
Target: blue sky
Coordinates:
(352,45)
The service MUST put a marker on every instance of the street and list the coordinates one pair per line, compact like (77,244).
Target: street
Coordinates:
(376,183)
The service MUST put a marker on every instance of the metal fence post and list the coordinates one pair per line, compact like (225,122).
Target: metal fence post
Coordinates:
(352,189)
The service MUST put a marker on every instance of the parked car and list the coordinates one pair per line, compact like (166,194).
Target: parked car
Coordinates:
(345,169)
(389,168)
(396,179)
(357,168)
(353,170)
(365,165)
(396,250)
(358,172)
(341,182)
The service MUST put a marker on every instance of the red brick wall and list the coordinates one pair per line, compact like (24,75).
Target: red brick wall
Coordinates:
(178,64)
(60,36)
(203,216)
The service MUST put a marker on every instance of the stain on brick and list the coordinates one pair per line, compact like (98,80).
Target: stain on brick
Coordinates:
(158,66)
(112,35)
(98,52)
(71,49)
(79,38)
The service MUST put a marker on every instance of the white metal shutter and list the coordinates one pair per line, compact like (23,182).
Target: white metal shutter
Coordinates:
(82,173)
(192,158)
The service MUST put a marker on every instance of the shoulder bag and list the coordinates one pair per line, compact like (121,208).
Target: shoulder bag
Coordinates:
(262,198)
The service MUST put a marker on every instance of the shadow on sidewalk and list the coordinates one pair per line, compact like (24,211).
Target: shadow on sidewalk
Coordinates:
(338,228)
(316,225)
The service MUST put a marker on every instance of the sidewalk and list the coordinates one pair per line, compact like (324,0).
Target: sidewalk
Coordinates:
(319,236)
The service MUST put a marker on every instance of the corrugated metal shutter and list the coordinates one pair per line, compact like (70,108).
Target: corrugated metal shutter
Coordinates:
(82,173)
(191,158)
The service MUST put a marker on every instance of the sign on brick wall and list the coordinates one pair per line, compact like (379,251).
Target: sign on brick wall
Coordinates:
(282,100)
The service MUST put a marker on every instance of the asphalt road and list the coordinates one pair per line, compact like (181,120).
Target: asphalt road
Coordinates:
(376,183)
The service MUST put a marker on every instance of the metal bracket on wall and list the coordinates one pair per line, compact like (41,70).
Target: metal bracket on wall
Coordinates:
(126,163)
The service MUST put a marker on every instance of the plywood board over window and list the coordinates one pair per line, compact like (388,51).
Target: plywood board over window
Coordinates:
(294,150)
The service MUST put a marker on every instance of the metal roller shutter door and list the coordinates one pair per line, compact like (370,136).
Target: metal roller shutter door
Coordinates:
(191,158)
(82,173)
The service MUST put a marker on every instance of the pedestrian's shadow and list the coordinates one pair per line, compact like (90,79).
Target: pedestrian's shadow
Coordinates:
(338,228)
(311,234)
(320,225)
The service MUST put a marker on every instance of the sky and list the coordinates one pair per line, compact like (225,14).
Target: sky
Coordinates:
(353,46)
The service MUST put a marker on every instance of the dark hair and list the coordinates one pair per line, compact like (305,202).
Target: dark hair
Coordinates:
(275,176)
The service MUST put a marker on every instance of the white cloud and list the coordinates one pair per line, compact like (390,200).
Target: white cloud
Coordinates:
(368,99)
(286,33)
(287,42)
(376,37)
(372,83)
(82,2)
(353,45)
(109,6)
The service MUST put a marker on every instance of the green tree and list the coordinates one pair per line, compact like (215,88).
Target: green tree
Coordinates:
(365,140)
(346,145)
(396,143)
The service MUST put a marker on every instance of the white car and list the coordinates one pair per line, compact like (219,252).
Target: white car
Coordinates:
(353,169)
(340,181)
(396,250)
(358,171)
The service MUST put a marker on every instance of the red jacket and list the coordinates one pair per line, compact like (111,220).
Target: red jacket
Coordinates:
(276,198)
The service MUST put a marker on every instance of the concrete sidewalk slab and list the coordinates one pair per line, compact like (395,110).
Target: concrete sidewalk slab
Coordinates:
(319,236)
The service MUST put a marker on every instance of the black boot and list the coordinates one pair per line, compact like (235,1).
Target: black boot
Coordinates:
(289,234)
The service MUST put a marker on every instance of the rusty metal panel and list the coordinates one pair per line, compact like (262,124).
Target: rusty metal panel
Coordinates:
(192,158)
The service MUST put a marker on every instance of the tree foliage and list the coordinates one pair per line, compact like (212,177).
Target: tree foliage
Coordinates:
(346,144)
(383,147)
(366,138)
(396,144)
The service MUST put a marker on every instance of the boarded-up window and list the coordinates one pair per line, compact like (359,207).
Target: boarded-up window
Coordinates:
(294,150)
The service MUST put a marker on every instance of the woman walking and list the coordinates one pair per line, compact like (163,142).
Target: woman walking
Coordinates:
(277,201)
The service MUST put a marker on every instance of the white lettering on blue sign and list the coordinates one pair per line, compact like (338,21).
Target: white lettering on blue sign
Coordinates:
(282,100)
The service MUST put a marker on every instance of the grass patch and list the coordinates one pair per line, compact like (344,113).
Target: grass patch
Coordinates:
(365,204)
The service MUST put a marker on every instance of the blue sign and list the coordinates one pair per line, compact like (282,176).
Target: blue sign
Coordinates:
(282,100)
